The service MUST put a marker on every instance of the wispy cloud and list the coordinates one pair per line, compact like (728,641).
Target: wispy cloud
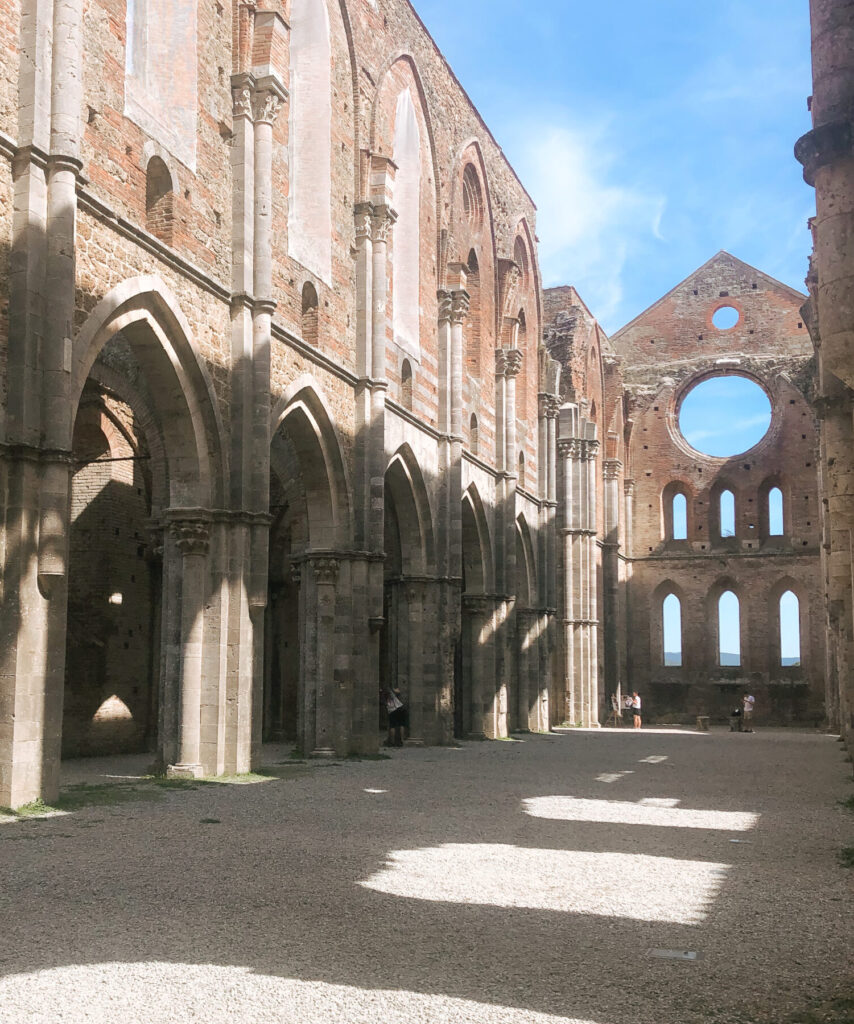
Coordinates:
(592,224)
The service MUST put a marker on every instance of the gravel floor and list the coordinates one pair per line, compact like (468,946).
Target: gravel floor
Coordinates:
(500,883)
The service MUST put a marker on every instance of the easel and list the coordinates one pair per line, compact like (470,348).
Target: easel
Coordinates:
(615,719)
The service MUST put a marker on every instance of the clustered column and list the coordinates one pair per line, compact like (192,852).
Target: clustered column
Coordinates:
(577,450)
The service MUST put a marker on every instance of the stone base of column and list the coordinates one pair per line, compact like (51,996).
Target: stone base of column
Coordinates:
(185,771)
(324,753)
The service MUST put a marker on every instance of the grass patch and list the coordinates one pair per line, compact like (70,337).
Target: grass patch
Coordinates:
(846,856)
(848,803)
(369,757)
(74,798)
(210,821)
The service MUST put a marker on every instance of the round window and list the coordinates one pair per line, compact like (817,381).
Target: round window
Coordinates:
(725,416)
(726,318)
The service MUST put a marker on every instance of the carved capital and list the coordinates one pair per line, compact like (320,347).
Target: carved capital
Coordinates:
(591,450)
(296,573)
(157,534)
(192,536)
(325,570)
(265,106)
(629,488)
(549,406)
(363,215)
(460,306)
(382,221)
(241,100)
(568,448)
(508,362)
(611,469)
(445,305)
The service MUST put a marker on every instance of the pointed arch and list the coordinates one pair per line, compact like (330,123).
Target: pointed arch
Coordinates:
(526,567)
(147,315)
(302,414)
(405,484)
(477,545)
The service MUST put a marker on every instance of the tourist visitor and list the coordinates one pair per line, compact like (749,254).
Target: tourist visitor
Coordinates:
(636,709)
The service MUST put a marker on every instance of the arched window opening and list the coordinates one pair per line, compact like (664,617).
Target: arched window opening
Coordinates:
(522,469)
(309,313)
(310,138)
(729,630)
(474,435)
(473,322)
(159,201)
(680,517)
(472,197)
(671,614)
(775,512)
(726,507)
(406,385)
(790,630)
(406,239)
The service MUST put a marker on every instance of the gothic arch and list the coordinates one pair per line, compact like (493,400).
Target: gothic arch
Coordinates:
(477,545)
(302,415)
(405,483)
(148,317)
(527,568)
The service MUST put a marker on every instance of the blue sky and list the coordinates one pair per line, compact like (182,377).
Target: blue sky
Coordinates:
(650,135)
(725,416)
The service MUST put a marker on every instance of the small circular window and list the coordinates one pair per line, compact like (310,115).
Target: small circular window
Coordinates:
(726,318)
(725,416)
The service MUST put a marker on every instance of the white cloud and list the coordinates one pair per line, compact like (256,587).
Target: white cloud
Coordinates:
(590,226)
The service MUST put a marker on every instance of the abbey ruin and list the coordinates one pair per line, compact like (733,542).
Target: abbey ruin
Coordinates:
(287,416)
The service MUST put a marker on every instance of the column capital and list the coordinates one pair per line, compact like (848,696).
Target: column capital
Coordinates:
(508,362)
(382,221)
(460,305)
(445,302)
(549,406)
(325,569)
(611,469)
(267,101)
(192,536)
(296,573)
(629,488)
(363,214)
(568,447)
(241,95)
(589,450)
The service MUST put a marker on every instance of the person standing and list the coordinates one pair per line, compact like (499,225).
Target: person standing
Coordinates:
(636,709)
(747,704)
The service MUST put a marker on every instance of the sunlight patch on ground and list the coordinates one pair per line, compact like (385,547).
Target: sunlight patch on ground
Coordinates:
(566,881)
(570,808)
(612,776)
(170,993)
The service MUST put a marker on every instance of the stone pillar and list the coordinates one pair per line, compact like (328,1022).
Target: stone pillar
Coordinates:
(415,590)
(192,537)
(480,611)
(611,576)
(325,571)
(827,155)
(592,586)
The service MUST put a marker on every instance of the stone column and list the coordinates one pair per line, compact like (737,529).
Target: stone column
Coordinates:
(415,642)
(325,571)
(192,537)
(484,700)
(592,582)
(611,575)
(568,451)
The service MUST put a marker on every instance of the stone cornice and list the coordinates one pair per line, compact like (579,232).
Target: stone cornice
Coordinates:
(826,144)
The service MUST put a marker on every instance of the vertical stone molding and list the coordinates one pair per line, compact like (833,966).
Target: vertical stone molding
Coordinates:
(325,572)
(192,540)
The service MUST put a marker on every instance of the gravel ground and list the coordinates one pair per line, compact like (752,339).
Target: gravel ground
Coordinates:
(499,883)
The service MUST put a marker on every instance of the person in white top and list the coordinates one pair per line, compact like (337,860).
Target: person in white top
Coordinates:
(748,704)
(636,708)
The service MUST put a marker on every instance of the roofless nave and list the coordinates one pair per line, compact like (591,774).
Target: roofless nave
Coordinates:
(288,417)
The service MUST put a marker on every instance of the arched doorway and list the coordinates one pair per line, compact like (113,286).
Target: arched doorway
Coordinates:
(306,696)
(409,650)
(478,706)
(147,469)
